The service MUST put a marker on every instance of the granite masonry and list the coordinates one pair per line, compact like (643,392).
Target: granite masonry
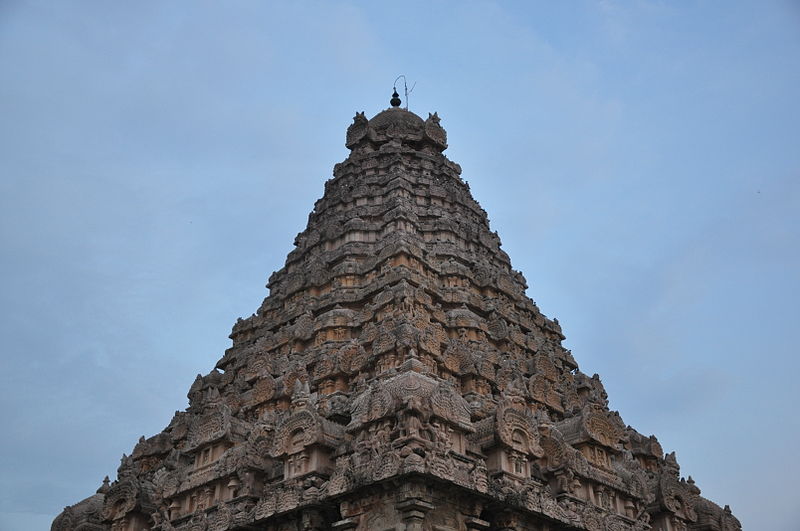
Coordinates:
(397,377)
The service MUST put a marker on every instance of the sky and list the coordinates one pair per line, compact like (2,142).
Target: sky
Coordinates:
(638,159)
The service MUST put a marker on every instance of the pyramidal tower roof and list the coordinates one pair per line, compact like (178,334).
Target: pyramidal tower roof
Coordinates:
(397,377)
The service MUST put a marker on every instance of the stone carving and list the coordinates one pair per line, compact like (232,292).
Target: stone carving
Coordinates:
(497,327)
(434,132)
(264,389)
(397,356)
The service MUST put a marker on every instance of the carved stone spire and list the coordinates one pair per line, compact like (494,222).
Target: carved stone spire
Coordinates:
(398,376)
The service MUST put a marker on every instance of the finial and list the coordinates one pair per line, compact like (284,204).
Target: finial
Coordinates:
(104,487)
(395,101)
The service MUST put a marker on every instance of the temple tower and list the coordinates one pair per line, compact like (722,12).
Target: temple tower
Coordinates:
(397,377)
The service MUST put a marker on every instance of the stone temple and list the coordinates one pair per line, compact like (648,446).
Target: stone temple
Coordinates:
(397,377)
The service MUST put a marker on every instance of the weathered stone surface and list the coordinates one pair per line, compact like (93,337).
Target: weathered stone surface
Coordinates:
(397,377)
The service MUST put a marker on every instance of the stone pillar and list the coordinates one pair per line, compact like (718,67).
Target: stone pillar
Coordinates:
(412,512)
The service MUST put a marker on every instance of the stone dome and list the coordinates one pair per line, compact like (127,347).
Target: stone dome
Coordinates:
(399,118)
(396,124)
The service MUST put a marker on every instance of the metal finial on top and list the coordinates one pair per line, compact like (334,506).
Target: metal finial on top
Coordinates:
(395,101)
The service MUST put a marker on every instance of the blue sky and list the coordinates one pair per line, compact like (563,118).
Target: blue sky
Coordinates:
(639,160)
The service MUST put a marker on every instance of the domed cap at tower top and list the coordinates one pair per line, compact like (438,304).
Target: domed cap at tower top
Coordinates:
(398,124)
(397,118)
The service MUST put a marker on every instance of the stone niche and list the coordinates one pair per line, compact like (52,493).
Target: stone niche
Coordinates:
(203,497)
(206,455)
(510,440)
(127,503)
(305,460)
(412,409)
(304,442)
(599,435)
